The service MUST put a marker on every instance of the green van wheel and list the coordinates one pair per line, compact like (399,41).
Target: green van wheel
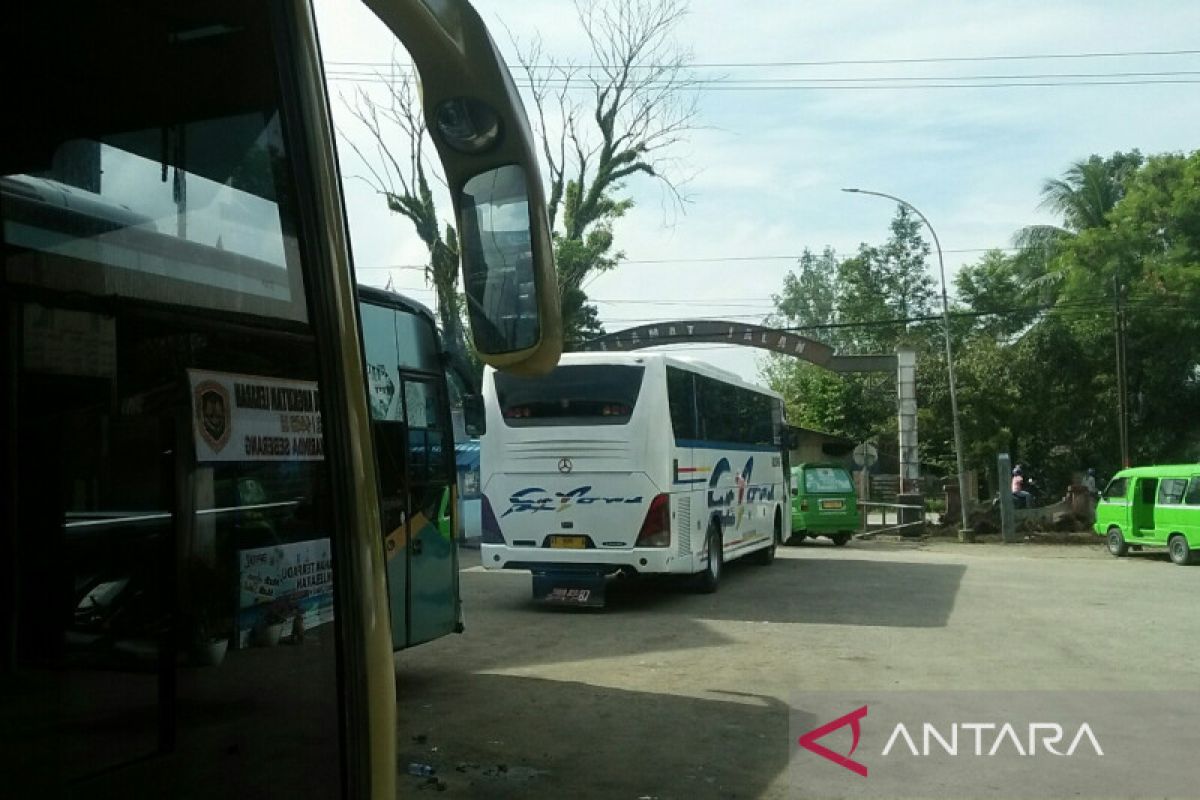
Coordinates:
(1116,542)
(1177,546)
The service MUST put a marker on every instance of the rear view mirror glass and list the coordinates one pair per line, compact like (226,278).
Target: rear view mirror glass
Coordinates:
(497,259)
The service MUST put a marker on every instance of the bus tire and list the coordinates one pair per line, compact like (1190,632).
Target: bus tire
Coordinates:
(1116,542)
(1181,553)
(709,580)
(840,539)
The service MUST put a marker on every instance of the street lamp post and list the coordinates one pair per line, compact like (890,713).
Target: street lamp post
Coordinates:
(958,449)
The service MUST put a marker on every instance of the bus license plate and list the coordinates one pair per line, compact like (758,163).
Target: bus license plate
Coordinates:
(833,505)
(569,542)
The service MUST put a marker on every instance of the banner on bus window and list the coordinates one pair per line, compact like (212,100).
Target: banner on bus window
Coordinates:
(252,418)
(277,584)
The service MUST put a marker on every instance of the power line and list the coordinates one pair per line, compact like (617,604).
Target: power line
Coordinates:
(791,257)
(859,62)
(689,83)
(703,260)
(1084,305)
(816,87)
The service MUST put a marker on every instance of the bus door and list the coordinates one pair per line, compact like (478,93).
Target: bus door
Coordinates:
(414,457)
(432,555)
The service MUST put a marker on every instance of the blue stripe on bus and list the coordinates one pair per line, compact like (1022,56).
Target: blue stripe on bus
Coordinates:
(691,480)
(708,444)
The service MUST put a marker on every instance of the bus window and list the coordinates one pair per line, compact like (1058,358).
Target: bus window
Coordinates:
(579,394)
(172,510)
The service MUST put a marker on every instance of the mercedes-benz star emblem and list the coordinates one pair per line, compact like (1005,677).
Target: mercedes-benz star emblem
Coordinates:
(565,465)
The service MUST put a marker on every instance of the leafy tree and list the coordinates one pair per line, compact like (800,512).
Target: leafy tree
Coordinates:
(824,297)
(1037,382)
(810,292)
(1083,197)
(996,286)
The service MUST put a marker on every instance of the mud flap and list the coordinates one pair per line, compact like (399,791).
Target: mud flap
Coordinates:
(583,588)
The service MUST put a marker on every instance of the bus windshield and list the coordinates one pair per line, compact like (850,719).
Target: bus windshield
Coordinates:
(580,394)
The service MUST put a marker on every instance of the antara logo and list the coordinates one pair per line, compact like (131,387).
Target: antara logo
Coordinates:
(988,739)
(536,499)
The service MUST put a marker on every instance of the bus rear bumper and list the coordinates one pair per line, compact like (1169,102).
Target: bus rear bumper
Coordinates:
(605,561)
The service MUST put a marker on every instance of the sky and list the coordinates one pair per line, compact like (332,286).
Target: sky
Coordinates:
(768,165)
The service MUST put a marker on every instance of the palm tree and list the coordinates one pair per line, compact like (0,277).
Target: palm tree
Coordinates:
(1082,197)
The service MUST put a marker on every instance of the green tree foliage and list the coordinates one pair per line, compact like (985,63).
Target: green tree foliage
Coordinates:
(1083,198)
(853,304)
(1034,357)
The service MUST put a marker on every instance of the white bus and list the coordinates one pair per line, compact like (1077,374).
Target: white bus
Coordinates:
(629,463)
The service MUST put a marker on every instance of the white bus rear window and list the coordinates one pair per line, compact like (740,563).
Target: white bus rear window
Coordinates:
(592,394)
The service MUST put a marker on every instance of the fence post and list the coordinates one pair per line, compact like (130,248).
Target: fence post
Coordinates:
(1008,522)
(914,517)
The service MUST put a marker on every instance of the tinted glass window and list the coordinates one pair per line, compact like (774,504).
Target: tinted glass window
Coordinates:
(1117,488)
(1192,498)
(175,616)
(682,399)
(577,394)
(1170,491)
(827,480)
(730,413)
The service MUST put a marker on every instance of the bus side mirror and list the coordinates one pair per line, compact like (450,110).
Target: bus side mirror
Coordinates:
(795,492)
(474,115)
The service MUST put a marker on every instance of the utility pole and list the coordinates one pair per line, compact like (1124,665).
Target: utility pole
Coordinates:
(1122,378)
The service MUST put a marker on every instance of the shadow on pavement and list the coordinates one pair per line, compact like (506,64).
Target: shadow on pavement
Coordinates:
(578,740)
(836,591)
(504,626)
(841,591)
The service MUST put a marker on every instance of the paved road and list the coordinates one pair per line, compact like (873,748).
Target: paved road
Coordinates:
(668,694)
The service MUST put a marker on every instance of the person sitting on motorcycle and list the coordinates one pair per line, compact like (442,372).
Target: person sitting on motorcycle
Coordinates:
(1020,494)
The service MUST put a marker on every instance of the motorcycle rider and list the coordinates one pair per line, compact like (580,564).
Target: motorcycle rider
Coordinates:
(1021,495)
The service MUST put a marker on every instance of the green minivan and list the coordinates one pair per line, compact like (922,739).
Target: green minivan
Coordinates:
(823,503)
(1147,507)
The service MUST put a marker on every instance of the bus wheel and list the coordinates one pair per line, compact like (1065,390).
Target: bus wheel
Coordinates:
(708,580)
(840,539)
(1177,546)
(1116,542)
(766,556)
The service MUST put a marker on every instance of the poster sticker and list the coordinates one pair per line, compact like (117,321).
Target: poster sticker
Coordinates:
(281,582)
(252,418)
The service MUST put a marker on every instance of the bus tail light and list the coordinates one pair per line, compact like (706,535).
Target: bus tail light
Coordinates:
(656,530)
(489,524)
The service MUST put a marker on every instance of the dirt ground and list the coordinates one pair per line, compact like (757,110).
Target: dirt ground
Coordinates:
(668,694)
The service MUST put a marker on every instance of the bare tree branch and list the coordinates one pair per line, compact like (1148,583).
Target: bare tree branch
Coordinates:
(397,171)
